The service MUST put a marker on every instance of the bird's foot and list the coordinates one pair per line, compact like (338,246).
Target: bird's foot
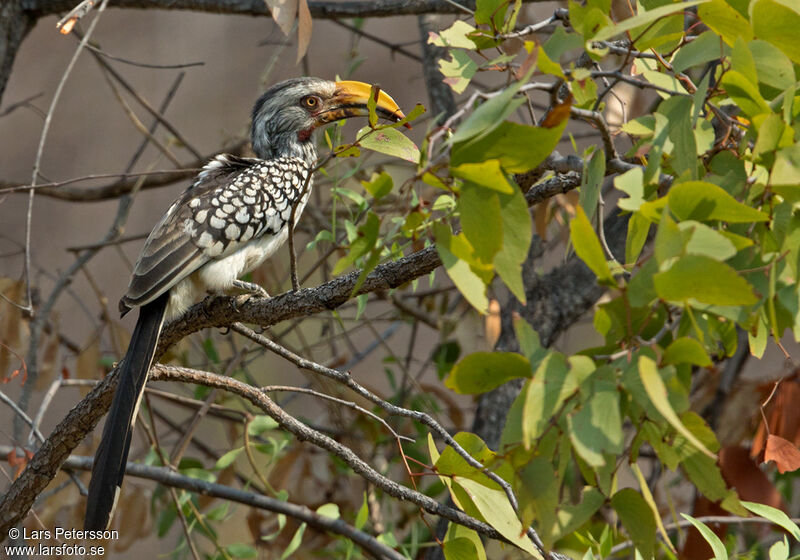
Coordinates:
(250,287)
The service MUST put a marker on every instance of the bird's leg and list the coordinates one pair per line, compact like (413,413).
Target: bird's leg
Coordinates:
(252,290)
(250,287)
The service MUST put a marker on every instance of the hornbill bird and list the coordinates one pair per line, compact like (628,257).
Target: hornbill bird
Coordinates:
(231,219)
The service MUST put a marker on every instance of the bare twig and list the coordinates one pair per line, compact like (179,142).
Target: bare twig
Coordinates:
(170,478)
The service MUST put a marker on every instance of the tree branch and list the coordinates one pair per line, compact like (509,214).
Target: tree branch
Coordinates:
(320,9)
(219,311)
(172,479)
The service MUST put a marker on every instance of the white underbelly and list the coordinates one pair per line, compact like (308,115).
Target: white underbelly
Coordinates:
(218,275)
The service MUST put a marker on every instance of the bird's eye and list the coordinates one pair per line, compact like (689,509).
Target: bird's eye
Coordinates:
(310,102)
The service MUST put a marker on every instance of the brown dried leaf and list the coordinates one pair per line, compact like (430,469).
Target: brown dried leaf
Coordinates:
(283,12)
(783,452)
(303,29)
(783,415)
(558,114)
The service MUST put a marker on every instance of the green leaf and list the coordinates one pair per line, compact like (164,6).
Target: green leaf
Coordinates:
(481,372)
(592,182)
(458,71)
(260,424)
(779,550)
(705,280)
(550,386)
(496,509)
(456,532)
(379,185)
(774,68)
(637,518)
(770,134)
(517,234)
(701,201)
(643,18)
(638,230)
(678,111)
(389,141)
(529,343)
(481,220)
(491,12)
(704,48)
(228,458)
(588,247)
(632,183)
(460,548)
(241,550)
(776,516)
(294,544)
(745,93)
(720,553)
(329,510)
(777,22)
(519,148)
(486,174)
(596,428)
(468,282)
(640,126)
(364,242)
(454,36)
(785,176)
(663,35)
(363,514)
(489,114)
(725,21)
(686,350)
(571,517)
(445,356)
(654,386)
(707,241)
(651,503)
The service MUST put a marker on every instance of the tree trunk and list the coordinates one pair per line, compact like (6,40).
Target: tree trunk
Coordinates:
(15,23)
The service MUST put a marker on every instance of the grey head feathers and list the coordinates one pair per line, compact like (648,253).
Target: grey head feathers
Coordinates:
(281,125)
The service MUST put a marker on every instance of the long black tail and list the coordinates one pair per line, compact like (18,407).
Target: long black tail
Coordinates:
(112,455)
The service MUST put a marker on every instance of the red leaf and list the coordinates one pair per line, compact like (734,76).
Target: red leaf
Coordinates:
(783,452)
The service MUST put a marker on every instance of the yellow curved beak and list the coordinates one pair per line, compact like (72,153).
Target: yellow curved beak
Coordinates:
(351,98)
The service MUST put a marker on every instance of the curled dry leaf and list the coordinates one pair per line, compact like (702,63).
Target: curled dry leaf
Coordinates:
(784,453)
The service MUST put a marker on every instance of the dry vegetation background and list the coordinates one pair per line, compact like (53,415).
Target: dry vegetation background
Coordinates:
(92,134)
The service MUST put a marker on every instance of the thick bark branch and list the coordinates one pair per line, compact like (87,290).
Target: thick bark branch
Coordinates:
(221,312)
(319,8)
(169,477)
(15,23)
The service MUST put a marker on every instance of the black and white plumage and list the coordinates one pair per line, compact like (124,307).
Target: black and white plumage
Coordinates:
(230,220)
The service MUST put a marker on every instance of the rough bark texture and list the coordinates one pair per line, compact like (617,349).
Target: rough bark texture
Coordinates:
(318,8)
(15,23)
